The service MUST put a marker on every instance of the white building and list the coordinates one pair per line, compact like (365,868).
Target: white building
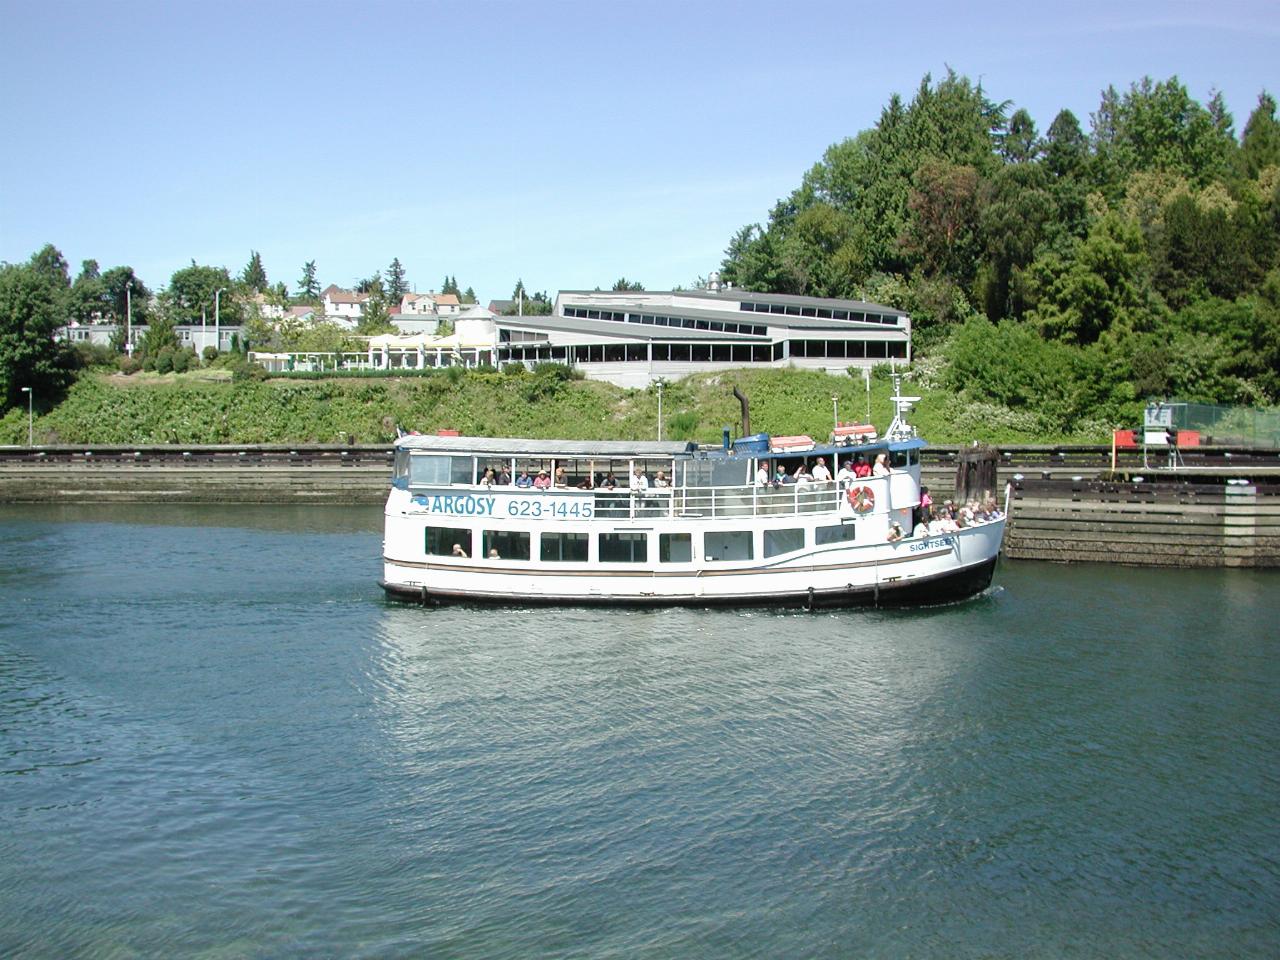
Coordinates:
(632,338)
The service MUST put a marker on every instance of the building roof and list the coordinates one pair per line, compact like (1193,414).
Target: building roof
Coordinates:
(579,449)
(446,300)
(730,298)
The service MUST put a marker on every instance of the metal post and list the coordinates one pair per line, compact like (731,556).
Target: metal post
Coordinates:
(835,415)
(217,337)
(128,316)
(30,418)
(659,411)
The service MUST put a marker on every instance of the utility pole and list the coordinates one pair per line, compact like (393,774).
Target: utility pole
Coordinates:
(30,419)
(217,337)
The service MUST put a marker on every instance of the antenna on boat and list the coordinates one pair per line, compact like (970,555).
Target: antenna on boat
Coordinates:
(899,429)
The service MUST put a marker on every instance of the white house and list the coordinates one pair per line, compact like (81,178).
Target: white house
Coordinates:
(343,306)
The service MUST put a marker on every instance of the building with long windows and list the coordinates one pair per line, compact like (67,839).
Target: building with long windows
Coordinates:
(632,338)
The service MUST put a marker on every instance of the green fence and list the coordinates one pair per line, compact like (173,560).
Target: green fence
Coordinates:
(1229,426)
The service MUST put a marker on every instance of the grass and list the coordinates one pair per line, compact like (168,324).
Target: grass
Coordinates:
(207,407)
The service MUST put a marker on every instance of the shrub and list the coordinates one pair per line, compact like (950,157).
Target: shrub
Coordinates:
(210,353)
(164,360)
(183,361)
(95,355)
(129,365)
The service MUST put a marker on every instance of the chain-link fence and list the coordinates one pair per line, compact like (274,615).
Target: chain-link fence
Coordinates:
(1228,426)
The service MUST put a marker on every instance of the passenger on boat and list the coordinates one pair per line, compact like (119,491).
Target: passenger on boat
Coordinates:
(783,476)
(762,474)
(660,480)
(820,472)
(802,474)
(922,526)
(610,482)
(861,468)
(638,479)
(846,474)
(562,478)
(542,482)
(524,480)
(881,467)
(493,554)
(489,477)
(458,551)
(504,477)
(895,531)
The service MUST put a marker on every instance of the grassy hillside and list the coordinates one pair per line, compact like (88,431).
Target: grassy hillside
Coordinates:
(108,409)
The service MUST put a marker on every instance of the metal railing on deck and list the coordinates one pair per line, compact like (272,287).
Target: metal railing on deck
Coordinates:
(714,502)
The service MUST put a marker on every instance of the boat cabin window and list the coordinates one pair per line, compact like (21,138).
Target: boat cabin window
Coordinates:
(712,473)
(435,471)
(783,541)
(400,469)
(506,544)
(675,548)
(901,458)
(728,545)
(442,541)
(837,533)
(624,548)
(564,547)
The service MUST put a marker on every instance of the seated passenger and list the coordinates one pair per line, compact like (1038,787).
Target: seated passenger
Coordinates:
(610,482)
(845,475)
(783,476)
(661,481)
(881,467)
(524,480)
(861,468)
(504,477)
(488,478)
(458,551)
(922,528)
(562,478)
(493,553)
(820,472)
(543,481)
(895,531)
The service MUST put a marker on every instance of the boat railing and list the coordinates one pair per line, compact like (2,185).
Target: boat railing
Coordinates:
(717,502)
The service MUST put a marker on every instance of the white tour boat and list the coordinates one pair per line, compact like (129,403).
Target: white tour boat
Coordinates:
(618,522)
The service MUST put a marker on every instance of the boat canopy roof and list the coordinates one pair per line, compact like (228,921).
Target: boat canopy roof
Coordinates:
(827,450)
(517,447)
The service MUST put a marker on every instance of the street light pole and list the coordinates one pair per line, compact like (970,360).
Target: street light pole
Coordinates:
(835,413)
(217,337)
(30,418)
(659,411)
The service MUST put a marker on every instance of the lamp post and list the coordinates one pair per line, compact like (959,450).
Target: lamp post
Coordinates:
(217,336)
(835,413)
(30,418)
(659,411)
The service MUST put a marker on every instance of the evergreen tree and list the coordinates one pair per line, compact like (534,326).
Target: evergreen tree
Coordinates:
(254,276)
(309,286)
(395,285)
(469,296)
(622,283)
(1260,146)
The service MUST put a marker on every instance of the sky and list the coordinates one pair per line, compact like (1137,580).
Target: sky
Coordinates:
(561,142)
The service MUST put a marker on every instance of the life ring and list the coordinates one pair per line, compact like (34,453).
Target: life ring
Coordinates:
(862,499)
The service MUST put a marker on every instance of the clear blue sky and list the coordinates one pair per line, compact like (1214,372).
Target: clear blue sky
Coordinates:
(565,142)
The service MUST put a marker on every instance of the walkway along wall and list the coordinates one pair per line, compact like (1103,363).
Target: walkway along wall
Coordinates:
(1177,524)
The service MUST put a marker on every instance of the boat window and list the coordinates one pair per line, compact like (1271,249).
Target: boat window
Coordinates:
(624,548)
(783,541)
(564,547)
(506,544)
(442,540)
(728,545)
(899,458)
(712,473)
(837,533)
(438,471)
(400,470)
(675,548)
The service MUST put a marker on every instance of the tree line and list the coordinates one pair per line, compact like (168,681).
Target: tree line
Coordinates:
(1078,272)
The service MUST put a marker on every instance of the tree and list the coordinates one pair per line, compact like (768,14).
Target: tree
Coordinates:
(309,286)
(31,310)
(191,295)
(1020,144)
(623,284)
(396,286)
(51,266)
(469,296)
(1260,146)
(375,319)
(254,276)
(125,295)
(450,285)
